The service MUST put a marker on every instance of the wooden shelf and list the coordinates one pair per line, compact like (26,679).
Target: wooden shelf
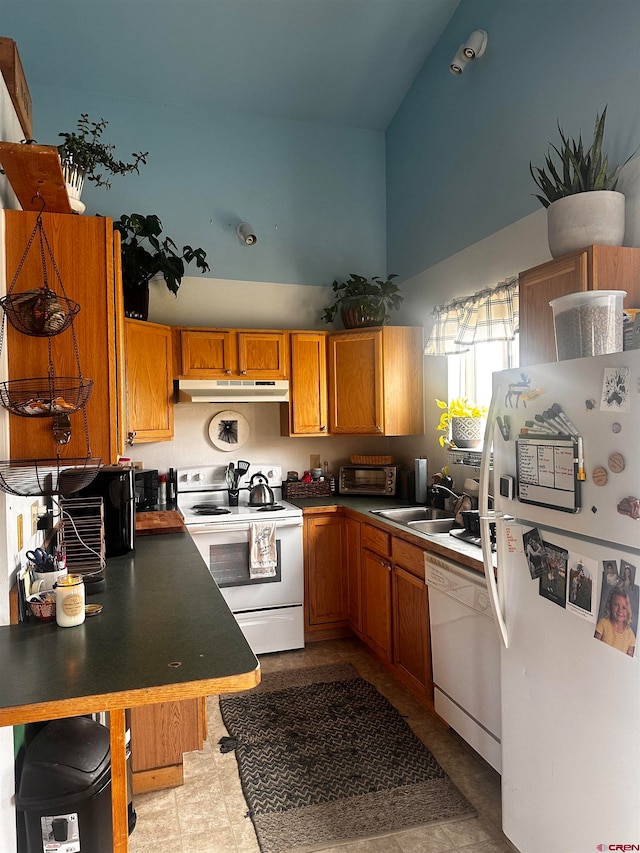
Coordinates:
(33,170)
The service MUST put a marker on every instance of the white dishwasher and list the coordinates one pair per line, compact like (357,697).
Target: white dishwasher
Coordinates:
(465,651)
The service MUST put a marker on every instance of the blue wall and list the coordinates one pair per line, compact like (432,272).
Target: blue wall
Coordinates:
(458,149)
(313,193)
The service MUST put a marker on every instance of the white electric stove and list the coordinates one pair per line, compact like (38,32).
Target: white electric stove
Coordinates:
(269,610)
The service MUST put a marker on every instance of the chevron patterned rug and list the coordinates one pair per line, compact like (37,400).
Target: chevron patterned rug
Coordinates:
(324,758)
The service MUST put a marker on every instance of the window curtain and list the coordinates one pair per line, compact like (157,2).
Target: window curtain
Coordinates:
(489,315)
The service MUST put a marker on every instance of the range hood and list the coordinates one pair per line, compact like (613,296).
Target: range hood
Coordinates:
(233,391)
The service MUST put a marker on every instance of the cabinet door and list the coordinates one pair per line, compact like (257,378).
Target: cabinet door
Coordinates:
(160,734)
(538,287)
(411,646)
(149,381)
(354,572)
(595,268)
(326,578)
(207,353)
(307,410)
(83,249)
(263,355)
(355,383)
(376,603)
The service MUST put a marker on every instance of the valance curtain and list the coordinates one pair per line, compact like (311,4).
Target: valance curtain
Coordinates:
(489,315)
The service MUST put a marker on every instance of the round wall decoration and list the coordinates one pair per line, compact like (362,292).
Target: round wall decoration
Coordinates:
(228,430)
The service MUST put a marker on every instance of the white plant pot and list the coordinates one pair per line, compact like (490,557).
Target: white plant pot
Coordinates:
(584,219)
(74,179)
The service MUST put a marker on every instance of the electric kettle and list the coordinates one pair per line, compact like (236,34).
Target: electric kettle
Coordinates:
(260,494)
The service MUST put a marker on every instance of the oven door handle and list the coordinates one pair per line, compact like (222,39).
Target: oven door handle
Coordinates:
(239,527)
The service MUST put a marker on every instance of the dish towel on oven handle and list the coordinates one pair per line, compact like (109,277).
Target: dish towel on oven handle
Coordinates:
(263,557)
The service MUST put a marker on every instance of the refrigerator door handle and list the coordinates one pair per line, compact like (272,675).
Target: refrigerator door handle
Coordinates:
(486,517)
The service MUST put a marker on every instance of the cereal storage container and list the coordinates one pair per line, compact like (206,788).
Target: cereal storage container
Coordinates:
(588,323)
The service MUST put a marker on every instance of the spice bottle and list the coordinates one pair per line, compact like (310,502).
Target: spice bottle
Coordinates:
(70,601)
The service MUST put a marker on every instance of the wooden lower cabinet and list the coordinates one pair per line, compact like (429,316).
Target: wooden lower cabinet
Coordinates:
(326,608)
(411,635)
(354,573)
(376,603)
(361,579)
(160,734)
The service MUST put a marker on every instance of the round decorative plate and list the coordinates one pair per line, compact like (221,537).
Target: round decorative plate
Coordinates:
(228,430)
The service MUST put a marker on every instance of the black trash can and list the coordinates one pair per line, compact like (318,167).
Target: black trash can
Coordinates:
(65,788)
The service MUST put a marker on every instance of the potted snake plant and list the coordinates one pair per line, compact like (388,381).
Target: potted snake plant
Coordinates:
(579,193)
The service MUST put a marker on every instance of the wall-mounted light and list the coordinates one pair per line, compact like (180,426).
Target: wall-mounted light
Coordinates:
(474,47)
(246,235)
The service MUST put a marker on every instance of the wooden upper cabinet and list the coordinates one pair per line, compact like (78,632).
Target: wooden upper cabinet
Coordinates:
(83,249)
(218,353)
(149,378)
(594,268)
(307,412)
(263,355)
(376,381)
(207,353)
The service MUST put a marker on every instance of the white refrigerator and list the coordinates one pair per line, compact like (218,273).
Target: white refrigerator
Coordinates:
(566,489)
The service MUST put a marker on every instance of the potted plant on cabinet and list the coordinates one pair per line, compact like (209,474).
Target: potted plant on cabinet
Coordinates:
(146,253)
(84,156)
(363,301)
(583,206)
(463,421)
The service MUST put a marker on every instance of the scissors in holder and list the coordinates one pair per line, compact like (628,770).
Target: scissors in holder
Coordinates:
(42,561)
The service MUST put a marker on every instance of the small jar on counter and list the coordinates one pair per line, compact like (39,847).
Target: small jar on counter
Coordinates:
(70,601)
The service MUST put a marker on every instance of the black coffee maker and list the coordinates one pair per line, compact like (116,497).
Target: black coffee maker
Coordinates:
(115,485)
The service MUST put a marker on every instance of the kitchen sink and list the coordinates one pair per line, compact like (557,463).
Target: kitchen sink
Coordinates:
(411,515)
(433,525)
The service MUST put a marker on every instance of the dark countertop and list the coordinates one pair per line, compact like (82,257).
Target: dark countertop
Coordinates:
(160,607)
(441,543)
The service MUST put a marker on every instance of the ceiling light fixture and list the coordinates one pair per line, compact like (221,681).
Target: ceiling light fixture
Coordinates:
(246,235)
(474,48)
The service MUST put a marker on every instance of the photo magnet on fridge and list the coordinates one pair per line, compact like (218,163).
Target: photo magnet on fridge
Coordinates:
(617,624)
(553,583)
(581,586)
(535,553)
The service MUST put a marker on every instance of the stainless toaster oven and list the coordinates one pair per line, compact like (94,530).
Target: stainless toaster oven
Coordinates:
(368,480)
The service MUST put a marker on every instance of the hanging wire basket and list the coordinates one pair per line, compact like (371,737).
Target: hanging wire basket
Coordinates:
(40,312)
(47,477)
(46,396)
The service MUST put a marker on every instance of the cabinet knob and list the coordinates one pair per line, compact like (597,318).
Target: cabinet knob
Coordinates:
(378,428)
(228,372)
(323,428)
(130,438)
(244,372)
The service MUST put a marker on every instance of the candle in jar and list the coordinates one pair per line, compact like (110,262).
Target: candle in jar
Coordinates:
(70,601)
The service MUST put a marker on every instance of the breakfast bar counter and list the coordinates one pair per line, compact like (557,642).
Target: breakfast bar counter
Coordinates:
(165,633)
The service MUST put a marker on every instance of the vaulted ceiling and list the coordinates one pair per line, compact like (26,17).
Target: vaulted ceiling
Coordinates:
(344,62)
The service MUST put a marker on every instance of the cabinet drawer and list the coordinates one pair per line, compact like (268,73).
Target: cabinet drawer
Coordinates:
(410,557)
(376,540)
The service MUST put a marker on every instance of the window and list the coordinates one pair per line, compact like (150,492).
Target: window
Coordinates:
(470,373)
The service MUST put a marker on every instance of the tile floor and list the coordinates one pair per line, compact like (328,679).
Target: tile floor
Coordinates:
(207,814)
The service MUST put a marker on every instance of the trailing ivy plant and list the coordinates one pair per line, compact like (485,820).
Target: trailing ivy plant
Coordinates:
(383,291)
(84,149)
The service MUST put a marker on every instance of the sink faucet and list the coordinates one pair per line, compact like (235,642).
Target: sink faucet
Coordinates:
(438,488)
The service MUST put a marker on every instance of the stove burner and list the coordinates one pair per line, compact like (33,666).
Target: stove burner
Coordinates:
(210,509)
(270,508)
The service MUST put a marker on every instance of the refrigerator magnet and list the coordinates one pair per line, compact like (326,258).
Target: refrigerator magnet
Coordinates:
(599,476)
(616,462)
